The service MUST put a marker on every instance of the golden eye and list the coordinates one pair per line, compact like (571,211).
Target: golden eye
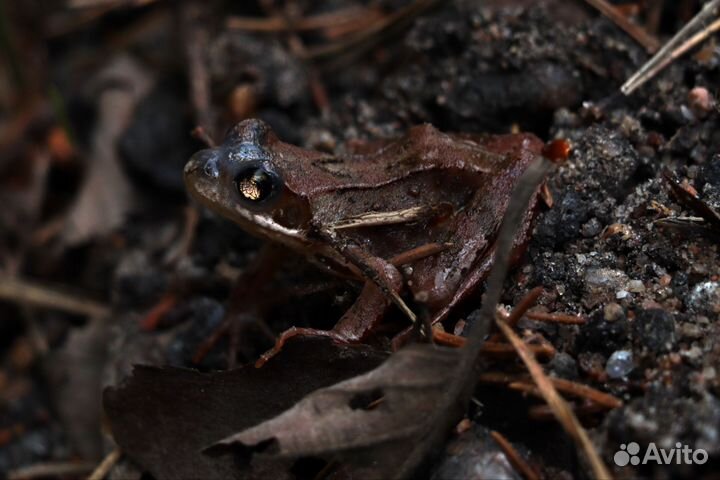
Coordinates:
(255,184)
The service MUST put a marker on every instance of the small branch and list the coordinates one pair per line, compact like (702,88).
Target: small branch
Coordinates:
(22,291)
(522,308)
(104,468)
(556,318)
(562,411)
(676,47)
(574,389)
(648,41)
(514,457)
(51,470)
(316,22)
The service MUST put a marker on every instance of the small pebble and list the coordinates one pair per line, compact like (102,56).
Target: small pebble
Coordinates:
(636,286)
(591,228)
(701,101)
(619,364)
(622,294)
(705,298)
(613,312)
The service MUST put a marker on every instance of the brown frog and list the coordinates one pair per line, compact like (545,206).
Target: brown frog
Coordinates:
(414,217)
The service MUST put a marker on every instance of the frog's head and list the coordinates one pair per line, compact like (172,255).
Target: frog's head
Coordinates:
(240,180)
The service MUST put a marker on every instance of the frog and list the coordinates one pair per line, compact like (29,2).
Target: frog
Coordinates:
(413,218)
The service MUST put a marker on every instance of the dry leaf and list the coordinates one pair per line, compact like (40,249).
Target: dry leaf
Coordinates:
(106,194)
(162,418)
(373,421)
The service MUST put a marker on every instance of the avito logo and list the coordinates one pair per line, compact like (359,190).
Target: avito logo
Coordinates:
(681,454)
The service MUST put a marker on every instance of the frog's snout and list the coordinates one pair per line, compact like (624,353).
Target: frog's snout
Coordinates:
(203,163)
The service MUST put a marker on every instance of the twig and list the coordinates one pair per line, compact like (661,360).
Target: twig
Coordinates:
(51,470)
(560,407)
(676,47)
(459,390)
(522,383)
(572,388)
(22,291)
(363,40)
(105,3)
(108,462)
(556,318)
(289,17)
(196,38)
(315,22)
(514,457)
(490,348)
(521,308)
(648,41)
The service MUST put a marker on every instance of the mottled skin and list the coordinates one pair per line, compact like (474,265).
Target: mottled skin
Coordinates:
(454,187)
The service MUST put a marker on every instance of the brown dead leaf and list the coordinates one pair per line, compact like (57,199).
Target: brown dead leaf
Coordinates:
(372,421)
(162,418)
(106,194)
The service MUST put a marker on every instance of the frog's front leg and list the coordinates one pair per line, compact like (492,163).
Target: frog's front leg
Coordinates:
(365,313)
(383,283)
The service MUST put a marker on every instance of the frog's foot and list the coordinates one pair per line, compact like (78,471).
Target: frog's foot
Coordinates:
(296,332)
(233,325)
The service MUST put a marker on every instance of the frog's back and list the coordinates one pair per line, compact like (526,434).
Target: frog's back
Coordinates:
(457,187)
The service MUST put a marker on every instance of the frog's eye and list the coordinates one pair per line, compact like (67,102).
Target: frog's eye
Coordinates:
(256,184)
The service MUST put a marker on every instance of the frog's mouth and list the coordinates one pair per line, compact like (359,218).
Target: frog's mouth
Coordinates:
(204,182)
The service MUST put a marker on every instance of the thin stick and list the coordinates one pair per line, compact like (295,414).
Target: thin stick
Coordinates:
(560,407)
(22,291)
(676,44)
(490,348)
(418,253)
(521,308)
(522,383)
(572,388)
(648,41)
(556,318)
(51,470)
(314,22)
(108,462)
(514,457)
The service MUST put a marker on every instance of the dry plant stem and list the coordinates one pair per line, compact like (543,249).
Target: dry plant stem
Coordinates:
(514,457)
(682,49)
(103,3)
(196,39)
(25,292)
(669,51)
(648,41)
(289,17)
(459,391)
(567,386)
(490,348)
(104,467)
(361,41)
(571,388)
(52,470)
(521,308)
(562,411)
(556,318)
(418,253)
(315,22)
